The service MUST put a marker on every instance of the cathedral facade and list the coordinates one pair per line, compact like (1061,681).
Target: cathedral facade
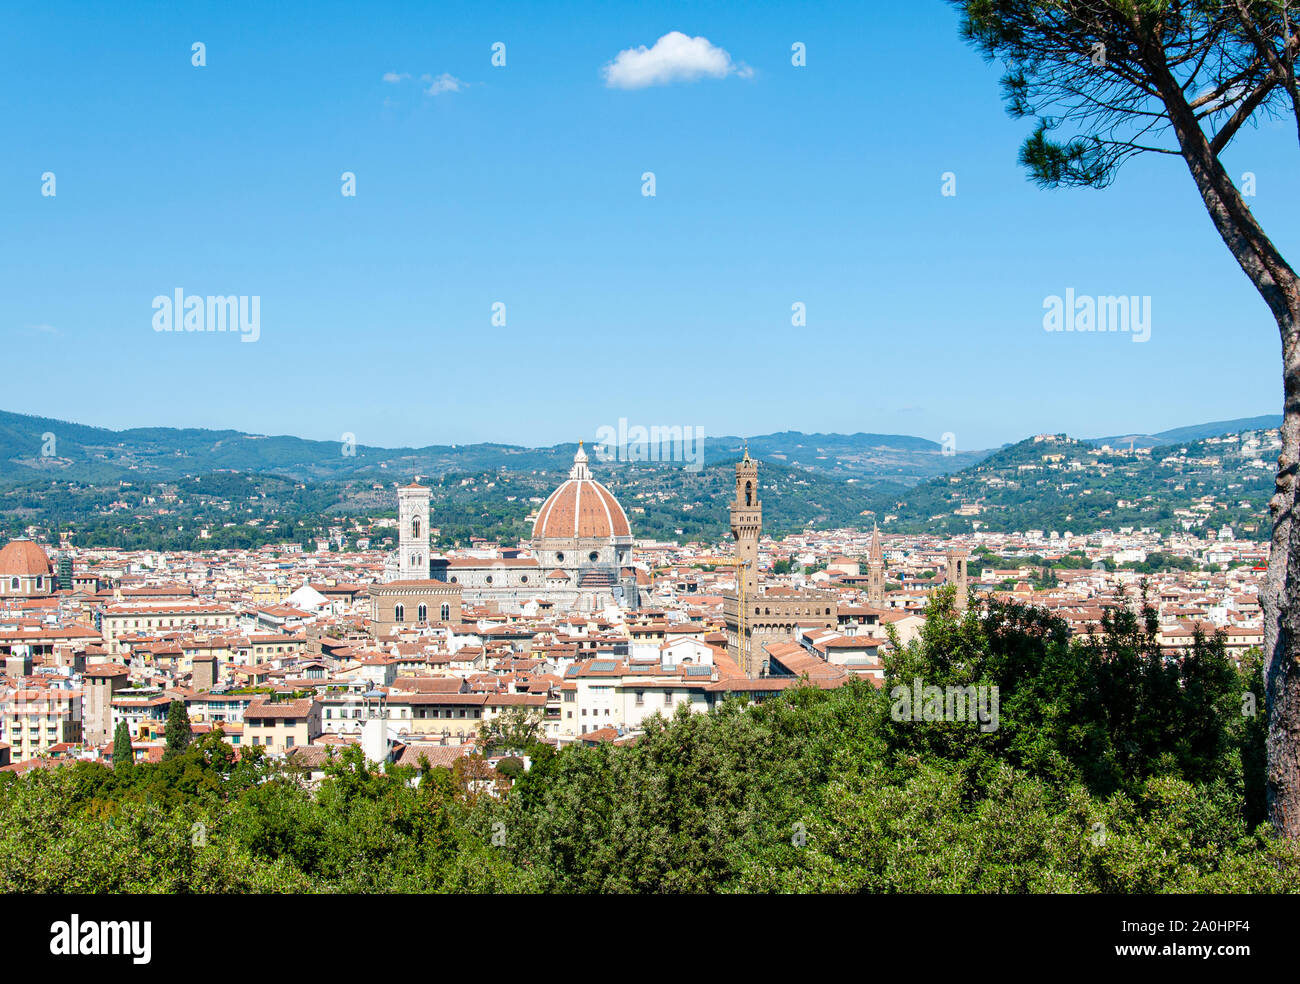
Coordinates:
(581,552)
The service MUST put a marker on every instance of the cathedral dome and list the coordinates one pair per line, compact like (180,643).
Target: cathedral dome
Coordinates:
(581,508)
(23,558)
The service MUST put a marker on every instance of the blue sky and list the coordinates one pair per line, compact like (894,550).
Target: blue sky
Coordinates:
(774,185)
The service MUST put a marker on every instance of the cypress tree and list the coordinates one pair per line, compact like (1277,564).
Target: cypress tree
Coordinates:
(178,729)
(122,756)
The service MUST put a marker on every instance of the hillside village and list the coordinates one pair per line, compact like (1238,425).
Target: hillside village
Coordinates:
(1055,480)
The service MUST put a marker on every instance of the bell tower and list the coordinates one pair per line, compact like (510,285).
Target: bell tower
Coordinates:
(876,571)
(747,521)
(413,532)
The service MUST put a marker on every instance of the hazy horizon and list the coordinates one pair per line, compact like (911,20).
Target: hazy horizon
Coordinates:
(590,437)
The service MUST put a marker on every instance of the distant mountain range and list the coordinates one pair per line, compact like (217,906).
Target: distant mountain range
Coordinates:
(1197,432)
(41,449)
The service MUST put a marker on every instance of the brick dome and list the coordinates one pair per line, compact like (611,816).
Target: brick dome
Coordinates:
(23,558)
(581,508)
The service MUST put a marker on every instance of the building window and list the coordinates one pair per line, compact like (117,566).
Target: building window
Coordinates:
(523,579)
(668,700)
(559,559)
(489,579)
(423,612)
(446,613)
(399,613)
(640,698)
(593,556)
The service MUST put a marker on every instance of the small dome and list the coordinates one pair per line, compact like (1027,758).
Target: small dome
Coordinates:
(581,507)
(23,558)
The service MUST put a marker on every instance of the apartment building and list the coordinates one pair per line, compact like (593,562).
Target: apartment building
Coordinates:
(34,720)
(280,726)
(140,707)
(118,620)
(601,693)
(219,709)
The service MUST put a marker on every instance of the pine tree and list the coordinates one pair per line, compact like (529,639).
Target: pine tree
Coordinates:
(1107,80)
(123,759)
(178,730)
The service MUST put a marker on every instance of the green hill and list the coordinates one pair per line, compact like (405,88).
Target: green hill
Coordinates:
(1060,483)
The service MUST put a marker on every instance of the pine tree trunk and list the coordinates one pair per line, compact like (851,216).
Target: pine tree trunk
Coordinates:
(1279,286)
(1281,604)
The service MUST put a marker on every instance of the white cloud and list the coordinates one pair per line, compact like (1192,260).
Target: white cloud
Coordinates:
(435,85)
(673,58)
(445,82)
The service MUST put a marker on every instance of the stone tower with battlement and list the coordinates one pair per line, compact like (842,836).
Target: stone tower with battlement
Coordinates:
(747,521)
(754,617)
(956,575)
